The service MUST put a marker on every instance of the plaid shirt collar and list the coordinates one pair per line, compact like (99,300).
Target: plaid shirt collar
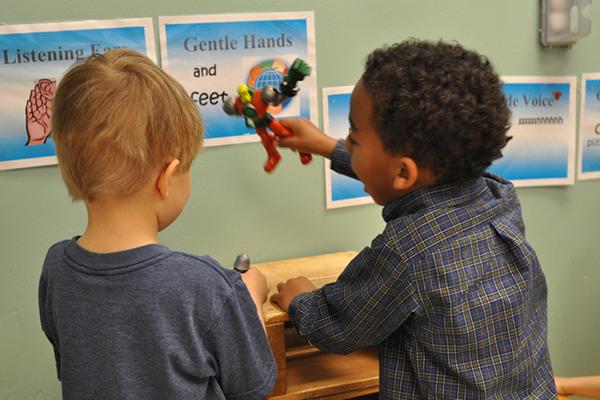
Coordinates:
(442,195)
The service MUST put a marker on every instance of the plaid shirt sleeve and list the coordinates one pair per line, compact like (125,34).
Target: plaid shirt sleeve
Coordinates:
(341,160)
(369,301)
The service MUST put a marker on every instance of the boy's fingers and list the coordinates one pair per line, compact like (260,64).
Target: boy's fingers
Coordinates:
(284,142)
(275,298)
(289,122)
(280,286)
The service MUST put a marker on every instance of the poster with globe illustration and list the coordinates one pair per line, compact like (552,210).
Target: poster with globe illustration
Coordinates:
(341,190)
(33,58)
(213,55)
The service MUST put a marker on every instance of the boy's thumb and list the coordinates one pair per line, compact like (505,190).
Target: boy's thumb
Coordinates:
(290,123)
(285,142)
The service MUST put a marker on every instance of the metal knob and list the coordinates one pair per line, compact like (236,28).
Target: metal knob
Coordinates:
(242,263)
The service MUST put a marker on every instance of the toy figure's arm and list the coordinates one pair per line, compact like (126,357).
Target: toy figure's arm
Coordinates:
(242,105)
(230,106)
(297,72)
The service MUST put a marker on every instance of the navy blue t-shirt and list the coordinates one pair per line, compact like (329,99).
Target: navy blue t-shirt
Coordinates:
(151,323)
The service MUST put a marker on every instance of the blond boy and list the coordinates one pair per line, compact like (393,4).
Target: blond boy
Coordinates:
(127,317)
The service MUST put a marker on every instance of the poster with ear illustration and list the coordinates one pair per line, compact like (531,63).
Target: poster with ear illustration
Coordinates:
(33,58)
(543,129)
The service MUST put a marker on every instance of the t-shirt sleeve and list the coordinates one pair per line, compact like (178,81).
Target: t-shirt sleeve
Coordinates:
(46,319)
(247,369)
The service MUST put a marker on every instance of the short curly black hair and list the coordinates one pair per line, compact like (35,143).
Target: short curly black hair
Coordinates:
(440,104)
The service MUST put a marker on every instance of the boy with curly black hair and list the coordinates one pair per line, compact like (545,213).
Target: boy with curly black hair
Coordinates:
(451,293)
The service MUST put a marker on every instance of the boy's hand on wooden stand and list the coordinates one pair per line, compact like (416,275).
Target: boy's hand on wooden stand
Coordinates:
(290,289)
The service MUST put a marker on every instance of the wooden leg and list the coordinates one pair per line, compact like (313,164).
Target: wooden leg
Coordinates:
(276,335)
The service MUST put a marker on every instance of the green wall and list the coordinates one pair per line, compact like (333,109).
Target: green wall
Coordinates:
(236,207)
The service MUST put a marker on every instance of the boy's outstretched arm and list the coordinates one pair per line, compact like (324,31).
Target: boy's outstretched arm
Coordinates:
(368,302)
(307,138)
(588,386)
(256,283)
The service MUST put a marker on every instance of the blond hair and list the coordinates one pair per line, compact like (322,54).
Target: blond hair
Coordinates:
(116,118)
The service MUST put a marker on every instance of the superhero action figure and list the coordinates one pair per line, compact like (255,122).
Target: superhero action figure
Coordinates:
(252,104)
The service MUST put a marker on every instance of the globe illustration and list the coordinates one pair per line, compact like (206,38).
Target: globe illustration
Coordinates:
(268,78)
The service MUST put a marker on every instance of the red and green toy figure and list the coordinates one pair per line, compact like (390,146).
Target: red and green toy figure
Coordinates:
(252,104)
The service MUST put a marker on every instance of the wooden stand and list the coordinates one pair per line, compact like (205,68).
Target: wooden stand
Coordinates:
(303,372)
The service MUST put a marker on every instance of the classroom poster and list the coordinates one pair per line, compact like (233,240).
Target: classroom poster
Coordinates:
(589,128)
(211,55)
(341,190)
(32,61)
(542,149)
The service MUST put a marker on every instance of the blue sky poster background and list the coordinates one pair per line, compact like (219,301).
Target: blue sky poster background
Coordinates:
(231,65)
(17,80)
(341,191)
(589,128)
(542,151)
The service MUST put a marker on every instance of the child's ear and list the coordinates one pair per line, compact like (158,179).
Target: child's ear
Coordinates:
(407,173)
(163,182)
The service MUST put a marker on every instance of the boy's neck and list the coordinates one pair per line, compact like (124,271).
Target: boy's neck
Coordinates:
(425,178)
(117,224)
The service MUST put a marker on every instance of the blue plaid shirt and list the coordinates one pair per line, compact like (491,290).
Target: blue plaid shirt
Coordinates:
(451,294)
